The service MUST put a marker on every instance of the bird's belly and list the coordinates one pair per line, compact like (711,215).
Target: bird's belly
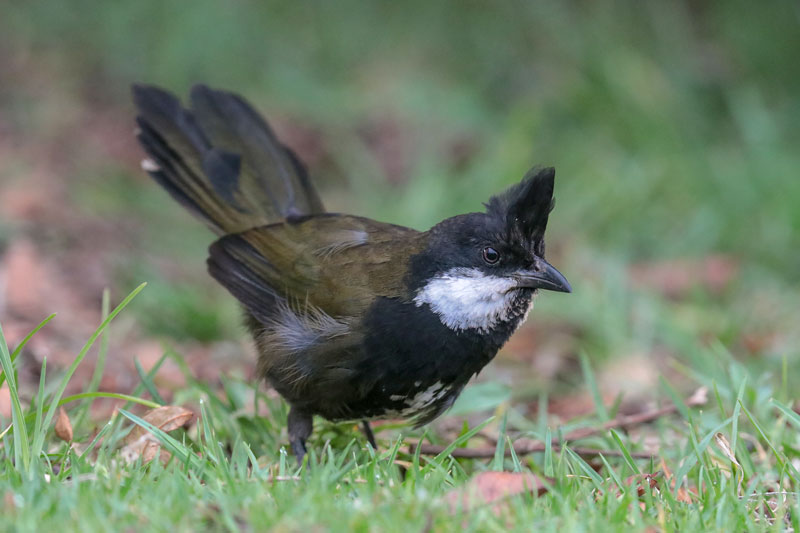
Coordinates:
(420,403)
(412,366)
(401,362)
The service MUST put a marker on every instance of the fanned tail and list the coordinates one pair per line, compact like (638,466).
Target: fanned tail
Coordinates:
(221,160)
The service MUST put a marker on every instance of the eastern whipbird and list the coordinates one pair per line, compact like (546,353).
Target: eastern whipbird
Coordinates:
(353,319)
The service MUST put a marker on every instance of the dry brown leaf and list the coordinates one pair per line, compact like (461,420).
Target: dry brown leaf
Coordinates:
(725,446)
(151,449)
(63,426)
(142,443)
(147,447)
(166,418)
(492,487)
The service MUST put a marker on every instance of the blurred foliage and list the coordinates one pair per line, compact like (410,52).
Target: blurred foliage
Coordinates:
(675,129)
(674,126)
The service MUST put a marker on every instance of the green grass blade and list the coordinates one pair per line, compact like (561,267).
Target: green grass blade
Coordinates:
(92,395)
(455,444)
(514,457)
(736,412)
(791,416)
(209,440)
(781,458)
(109,443)
(625,453)
(784,390)
(147,382)
(114,395)
(613,474)
(22,344)
(37,425)
(541,413)
(100,364)
(584,466)
(100,434)
(22,450)
(697,456)
(38,442)
(591,382)
(500,449)
(718,397)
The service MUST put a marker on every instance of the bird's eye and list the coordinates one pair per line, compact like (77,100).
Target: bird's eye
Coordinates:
(490,255)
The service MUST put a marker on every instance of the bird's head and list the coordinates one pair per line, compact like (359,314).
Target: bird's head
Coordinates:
(479,269)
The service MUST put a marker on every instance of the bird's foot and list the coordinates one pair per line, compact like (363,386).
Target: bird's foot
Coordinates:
(368,433)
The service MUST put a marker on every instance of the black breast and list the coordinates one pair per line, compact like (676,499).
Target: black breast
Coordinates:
(413,366)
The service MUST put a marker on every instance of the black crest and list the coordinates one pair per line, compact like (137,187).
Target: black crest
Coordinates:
(526,206)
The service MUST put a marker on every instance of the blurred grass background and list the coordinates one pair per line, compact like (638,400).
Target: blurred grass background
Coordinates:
(675,131)
(674,128)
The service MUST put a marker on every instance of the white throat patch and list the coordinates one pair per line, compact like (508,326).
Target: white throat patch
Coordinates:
(466,298)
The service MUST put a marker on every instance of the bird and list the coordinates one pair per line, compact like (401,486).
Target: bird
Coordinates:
(353,319)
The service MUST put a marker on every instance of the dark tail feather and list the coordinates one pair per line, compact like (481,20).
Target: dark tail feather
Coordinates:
(221,160)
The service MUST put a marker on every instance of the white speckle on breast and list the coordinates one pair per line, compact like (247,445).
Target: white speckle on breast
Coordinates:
(466,298)
(421,401)
(424,398)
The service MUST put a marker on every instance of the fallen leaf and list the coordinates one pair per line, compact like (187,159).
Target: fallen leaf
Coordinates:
(166,418)
(63,426)
(492,487)
(151,449)
(725,446)
(142,443)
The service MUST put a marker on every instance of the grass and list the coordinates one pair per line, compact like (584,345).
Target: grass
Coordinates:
(674,129)
(729,465)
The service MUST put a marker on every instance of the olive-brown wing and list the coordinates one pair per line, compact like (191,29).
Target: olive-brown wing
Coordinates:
(337,263)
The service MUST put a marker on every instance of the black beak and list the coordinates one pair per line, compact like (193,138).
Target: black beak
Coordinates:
(545,277)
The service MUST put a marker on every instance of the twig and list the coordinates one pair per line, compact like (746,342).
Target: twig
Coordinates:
(526,446)
(521,447)
(699,397)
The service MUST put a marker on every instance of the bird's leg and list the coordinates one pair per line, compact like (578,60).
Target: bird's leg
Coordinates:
(300,425)
(368,433)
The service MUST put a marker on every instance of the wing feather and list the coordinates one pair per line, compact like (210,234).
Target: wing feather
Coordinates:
(336,263)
